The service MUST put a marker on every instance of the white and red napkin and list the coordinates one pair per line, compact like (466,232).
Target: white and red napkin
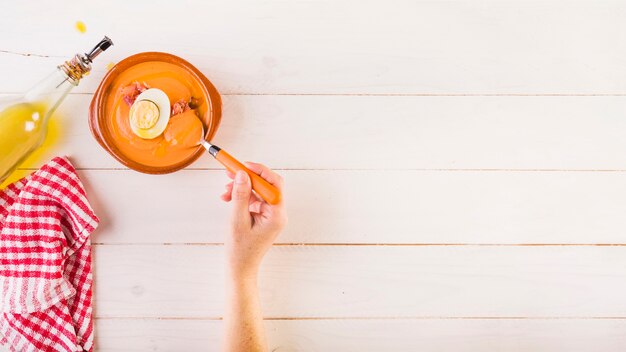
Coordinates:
(45,262)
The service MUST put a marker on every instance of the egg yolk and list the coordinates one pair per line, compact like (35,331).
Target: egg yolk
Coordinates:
(144,114)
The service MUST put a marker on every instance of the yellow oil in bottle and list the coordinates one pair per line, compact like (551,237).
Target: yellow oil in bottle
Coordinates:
(40,155)
(23,128)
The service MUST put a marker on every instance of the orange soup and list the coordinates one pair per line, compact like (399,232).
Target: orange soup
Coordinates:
(179,140)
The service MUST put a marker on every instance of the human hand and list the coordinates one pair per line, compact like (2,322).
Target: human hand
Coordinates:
(254,223)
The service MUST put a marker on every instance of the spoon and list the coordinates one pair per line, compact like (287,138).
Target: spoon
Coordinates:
(264,189)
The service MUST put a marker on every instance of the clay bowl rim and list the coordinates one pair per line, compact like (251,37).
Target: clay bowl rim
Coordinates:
(97,105)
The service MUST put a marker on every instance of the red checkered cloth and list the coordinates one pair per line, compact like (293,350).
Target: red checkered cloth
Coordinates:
(45,262)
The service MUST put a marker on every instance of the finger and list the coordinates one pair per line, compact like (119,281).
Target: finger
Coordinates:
(266,173)
(266,211)
(255,206)
(255,197)
(240,195)
(230,174)
(226,196)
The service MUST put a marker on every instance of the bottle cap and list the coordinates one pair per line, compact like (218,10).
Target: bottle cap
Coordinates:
(80,64)
(104,44)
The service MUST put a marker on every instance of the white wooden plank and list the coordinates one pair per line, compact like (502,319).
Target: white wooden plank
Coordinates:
(130,335)
(379,281)
(333,206)
(314,132)
(469,335)
(350,46)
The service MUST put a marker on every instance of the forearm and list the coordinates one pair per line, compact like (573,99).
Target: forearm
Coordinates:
(243,320)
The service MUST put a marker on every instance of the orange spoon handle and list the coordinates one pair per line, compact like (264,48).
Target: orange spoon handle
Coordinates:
(264,189)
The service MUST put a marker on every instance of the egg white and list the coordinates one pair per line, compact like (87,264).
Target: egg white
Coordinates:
(160,99)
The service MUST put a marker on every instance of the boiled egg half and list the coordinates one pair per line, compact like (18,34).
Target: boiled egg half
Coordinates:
(150,113)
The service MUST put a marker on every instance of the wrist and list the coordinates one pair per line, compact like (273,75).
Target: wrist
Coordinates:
(243,277)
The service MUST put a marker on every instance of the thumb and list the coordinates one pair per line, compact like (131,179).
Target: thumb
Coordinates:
(241,196)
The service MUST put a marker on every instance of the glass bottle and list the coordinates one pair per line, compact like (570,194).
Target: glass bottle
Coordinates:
(24,120)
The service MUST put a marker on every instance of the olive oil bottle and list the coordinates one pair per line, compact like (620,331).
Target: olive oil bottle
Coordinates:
(24,120)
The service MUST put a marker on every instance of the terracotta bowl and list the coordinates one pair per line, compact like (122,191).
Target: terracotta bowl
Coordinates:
(99,113)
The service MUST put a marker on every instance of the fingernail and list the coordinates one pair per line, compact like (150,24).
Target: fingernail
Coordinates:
(240,177)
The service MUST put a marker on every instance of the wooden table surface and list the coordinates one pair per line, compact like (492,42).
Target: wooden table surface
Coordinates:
(455,170)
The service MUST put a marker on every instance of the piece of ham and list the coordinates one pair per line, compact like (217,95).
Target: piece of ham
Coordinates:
(183,105)
(180,106)
(131,91)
